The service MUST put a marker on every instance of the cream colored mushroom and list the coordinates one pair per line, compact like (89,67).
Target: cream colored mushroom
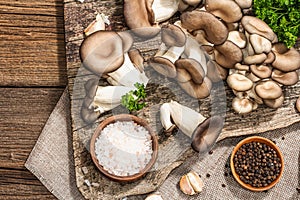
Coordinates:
(260,44)
(242,105)
(239,82)
(238,38)
(268,90)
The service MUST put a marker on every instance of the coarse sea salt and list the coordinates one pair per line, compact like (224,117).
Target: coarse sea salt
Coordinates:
(124,148)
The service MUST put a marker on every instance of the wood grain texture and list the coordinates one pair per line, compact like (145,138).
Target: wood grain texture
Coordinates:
(23,113)
(32,50)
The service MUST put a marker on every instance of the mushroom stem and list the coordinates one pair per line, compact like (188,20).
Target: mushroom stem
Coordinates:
(127,74)
(164,9)
(186,119)
(173,53)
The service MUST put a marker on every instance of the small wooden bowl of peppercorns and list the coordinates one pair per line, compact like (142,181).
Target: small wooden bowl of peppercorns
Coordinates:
(256,163)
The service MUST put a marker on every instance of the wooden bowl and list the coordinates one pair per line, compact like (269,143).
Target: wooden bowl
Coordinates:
(261,140)
(124,117)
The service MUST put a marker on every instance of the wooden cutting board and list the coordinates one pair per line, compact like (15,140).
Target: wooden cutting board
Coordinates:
(173,149)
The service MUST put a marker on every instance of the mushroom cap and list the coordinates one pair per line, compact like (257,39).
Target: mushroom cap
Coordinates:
(137,59)
(261,71)
(173,35)
(242,105)
(288,78)
(268,90)
(140,19)
(215,72)
(193,68)
(207,133)
(237,38)
(244,3)
(260,44)
(274,103)
(198,91)
(298,104)
(286,60)
(239,82)
(270,58)
(215,31)
(228,10)
(127,40)
(98,59)
(228,54)
(163,66)
(253,25)
(255,59)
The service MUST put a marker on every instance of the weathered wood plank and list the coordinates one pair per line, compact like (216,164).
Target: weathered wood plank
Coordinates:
(32,51)
(21,184)
(23,113)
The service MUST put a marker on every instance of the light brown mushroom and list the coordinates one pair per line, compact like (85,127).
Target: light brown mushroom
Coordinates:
(270,58)
(286,60)
(255,59)
(239,82)
(228,54)
(101,60)
(237,38)
(163,66)
(274,103)
(244,3)
(255,25)
(260,44)
(198,91)
(285,78)
(242,105)
(227,10)
(261,71)
(172,35)
(215,31)
(240,66)
(268,90)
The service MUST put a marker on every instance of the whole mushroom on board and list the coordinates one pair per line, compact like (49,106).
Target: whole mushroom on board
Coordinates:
(99,99)
(143,16)
(203,131)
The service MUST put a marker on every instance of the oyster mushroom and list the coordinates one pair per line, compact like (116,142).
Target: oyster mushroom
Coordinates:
(274,103)
(203,131)
(239,82)
(243,105)
(286,60)
(255,59)
(172,47)
(228,54)
(244,3)
(268,90)
(227,10)
(261,71)
(237,38)
(100,99)
(215,31)
(260,44)
(143,16)
(288,78)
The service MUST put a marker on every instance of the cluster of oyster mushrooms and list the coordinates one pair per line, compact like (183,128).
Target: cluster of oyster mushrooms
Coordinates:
(243,49)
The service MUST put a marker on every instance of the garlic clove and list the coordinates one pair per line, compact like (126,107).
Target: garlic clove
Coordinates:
(185,186)
(195,181)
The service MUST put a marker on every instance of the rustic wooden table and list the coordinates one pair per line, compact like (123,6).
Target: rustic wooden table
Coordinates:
(32,78)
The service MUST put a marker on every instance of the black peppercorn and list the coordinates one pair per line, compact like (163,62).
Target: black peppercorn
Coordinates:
(257,164)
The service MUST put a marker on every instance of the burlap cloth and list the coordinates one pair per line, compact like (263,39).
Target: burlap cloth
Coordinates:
(51,161)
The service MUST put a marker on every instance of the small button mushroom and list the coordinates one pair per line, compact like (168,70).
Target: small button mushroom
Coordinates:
(268,90)
(244,3)
(288,78)
(261,71)
(191,183)
(100,99)
(255,25)
(298,104)
(202,20)
(189,70)
(255,59)
(239,82)
(237,38)
(227,10)
(242,105)
(203,131)
(228,54)
(260,44)
(101,60)
(154,196)
(274,103)
(286,60)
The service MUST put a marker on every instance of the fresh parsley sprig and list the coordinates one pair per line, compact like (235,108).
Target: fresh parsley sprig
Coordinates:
(283,16)
(135,99)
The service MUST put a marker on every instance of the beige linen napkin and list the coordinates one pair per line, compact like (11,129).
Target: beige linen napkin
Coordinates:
(51,161)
